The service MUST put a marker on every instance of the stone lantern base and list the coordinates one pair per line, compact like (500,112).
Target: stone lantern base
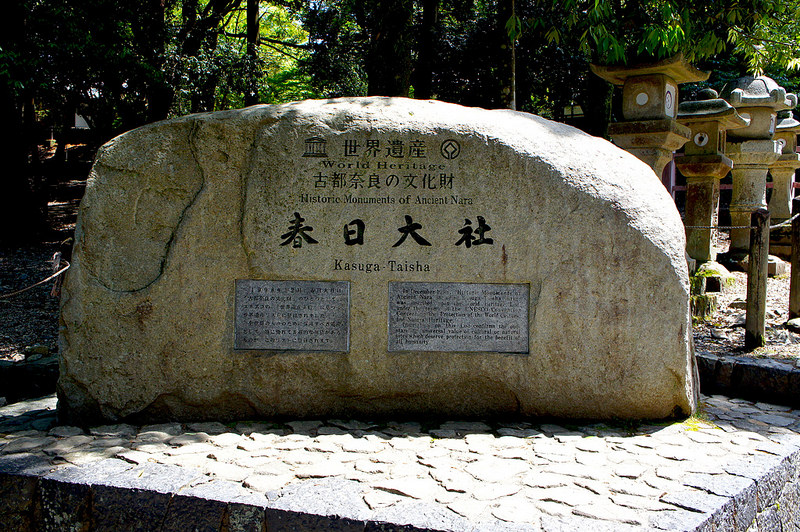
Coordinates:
(780,204)
(652,141)
(703,174)
(751,162)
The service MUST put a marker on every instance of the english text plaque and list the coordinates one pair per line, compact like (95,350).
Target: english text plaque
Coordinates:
(292,315)
(455,317)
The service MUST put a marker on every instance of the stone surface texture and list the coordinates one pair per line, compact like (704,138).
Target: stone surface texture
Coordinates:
(733,468)
(176,211)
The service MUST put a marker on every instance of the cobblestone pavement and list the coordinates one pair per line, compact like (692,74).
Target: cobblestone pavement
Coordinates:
(730,467)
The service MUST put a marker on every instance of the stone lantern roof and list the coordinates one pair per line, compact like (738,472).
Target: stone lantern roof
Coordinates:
(786,131)
(748,91)
(711,107)
(786,122)
(675,67)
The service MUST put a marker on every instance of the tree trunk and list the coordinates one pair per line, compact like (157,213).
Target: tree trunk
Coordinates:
(198,31)
(423,74)
(206,85)
(388,61)
(251,92)
(508,75)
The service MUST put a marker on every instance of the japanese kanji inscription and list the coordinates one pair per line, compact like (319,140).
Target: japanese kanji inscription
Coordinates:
(292,315)
(418,181)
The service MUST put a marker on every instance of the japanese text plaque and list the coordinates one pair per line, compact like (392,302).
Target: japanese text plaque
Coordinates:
(456,317)
(292,315)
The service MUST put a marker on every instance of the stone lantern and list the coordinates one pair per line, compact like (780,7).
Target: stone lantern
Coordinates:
(752,148)
(649,105)
(704,165)
(783,170)
(786,129)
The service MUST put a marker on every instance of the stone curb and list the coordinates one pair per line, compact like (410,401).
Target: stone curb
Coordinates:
(115,495)
(736,470)
(757,379)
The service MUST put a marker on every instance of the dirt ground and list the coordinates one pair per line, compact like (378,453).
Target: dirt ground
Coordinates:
(723,333)
(29,321)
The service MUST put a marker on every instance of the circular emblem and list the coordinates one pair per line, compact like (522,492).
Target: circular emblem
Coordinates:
(642,98)
(701,139)
(450,149)
(668,103)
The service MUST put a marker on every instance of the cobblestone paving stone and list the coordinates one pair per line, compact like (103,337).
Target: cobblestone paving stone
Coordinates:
(504,475)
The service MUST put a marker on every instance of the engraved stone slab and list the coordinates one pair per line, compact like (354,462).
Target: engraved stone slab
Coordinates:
(457,317)
(368,192)
(292,315)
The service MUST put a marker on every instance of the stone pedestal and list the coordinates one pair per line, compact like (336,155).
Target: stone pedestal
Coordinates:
(703,174)
(780,204)
(652,141)
(751,162)
(703,165)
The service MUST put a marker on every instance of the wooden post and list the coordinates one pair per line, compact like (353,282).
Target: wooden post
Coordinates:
(758,259)
(794,285)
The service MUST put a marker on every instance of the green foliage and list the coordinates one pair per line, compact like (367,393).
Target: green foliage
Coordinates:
(122,64)
(762,32)
(223,67)
(514,27)
(338,40)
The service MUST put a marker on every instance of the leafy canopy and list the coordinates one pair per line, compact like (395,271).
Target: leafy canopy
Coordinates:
(761,32)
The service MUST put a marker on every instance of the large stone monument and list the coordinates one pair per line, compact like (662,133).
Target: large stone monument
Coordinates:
(373,257)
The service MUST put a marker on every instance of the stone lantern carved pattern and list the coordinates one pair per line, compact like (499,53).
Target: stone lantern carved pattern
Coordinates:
(649,104)
(704,165)
(752,148)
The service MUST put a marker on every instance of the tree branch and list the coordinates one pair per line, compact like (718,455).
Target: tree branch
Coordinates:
(263,40)
(752,37)
(280,51)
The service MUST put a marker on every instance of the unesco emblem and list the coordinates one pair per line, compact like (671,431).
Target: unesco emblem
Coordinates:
(450,149)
